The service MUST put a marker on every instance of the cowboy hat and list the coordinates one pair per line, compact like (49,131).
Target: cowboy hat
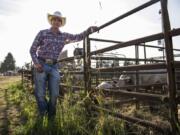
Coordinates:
(58,15)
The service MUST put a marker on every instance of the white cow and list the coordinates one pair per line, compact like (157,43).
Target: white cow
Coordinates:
(144,79)
(130,79)
(107,85)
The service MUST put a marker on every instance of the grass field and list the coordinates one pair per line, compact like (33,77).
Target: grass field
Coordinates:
(6,81)
(75,115)
(18,114)
(9,111)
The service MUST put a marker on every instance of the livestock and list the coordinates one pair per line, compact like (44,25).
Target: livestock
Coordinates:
(107,85)
(145,77)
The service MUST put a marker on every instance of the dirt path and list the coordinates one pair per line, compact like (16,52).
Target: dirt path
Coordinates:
(9,112)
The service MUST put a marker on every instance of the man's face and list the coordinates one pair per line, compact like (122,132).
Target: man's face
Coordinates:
(56,22)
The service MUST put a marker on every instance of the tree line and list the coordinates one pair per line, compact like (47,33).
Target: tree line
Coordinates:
(8,64)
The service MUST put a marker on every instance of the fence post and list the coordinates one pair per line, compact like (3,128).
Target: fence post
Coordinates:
(32,74)
(87,64)
(173,112)
(22,76)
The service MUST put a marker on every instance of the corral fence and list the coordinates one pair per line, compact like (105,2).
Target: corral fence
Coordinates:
(27,75)
(167,93)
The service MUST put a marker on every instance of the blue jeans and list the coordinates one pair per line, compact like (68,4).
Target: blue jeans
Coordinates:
(50,76)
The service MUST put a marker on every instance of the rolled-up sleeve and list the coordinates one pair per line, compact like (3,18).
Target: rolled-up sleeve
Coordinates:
(33,50)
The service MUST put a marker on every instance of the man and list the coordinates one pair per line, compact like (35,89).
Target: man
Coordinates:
(44,52)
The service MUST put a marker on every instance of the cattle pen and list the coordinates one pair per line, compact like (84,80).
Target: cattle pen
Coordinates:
(166,93)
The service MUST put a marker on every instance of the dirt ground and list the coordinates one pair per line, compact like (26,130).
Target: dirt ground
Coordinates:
(9,112)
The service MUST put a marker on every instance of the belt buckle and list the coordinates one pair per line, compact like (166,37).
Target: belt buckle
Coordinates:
(49,61)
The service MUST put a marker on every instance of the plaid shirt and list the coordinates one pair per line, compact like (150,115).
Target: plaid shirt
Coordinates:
(48,45)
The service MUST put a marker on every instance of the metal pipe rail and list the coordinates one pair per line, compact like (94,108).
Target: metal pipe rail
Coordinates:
(117,103)
(141,72)
(139,86)
(163,127)
(132,68)
(177,64)
(123,59)
(138,95)
(66,59)
(137,41)
(75,72)
(141,44)
(129,13)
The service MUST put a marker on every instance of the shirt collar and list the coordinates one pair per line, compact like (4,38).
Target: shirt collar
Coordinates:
(49,31)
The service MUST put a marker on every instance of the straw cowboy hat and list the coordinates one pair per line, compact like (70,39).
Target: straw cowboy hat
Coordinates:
(59,15)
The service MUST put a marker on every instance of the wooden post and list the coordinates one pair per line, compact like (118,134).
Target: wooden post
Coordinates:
(22,76)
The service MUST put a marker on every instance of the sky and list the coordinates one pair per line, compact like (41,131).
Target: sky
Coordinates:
(21,20)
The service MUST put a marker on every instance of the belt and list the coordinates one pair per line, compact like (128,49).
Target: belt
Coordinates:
(48,61)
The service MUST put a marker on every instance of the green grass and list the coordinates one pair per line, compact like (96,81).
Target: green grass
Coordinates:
(74,116)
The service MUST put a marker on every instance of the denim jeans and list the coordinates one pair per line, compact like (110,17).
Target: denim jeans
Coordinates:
(49,77)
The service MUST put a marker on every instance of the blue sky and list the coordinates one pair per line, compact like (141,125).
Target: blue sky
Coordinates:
(20,21)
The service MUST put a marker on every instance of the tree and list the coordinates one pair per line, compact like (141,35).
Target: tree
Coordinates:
(8,63)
